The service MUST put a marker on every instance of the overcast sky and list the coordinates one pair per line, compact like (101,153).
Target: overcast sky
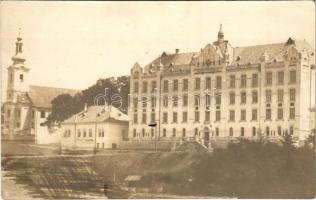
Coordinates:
(72,44)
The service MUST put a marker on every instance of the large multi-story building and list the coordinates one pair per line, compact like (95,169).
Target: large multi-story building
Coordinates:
(225,92)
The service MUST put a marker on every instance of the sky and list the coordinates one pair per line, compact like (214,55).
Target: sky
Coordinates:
(72,44)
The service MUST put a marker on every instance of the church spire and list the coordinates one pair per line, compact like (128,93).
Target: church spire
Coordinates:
(220,35)
(18,57)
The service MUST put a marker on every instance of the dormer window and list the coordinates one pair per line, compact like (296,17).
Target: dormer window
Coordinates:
(21,77)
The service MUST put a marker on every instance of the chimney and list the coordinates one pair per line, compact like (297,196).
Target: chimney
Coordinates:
(177,51)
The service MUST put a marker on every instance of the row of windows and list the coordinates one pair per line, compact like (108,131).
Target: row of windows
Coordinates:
(232,98)
(232,116)
(18,113)
(255,132)
(218,82)
(84,133)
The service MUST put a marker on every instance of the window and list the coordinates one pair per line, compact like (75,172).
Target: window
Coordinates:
(152,132)
(153,102)
(267,131)
(153,117)
(165,86)
(84,133)
(292,77)
(279,130)
(268,96)
(90,132)
(134,133)
(197,101)
(254,131)
(254,97)
(42,114)
(135,102)
(33,114)
(8,113)
(208,83)
(175,117)
(18,113)
(217,99)
(292,94)
(243,97)
(242,131)
(218,115)
(144,118)
(291,130)
(292,113)
(184,117)
(185,100)
(243,81)
(232,98)
(217,131)
(79,133)
(165,101)
(280,113)
(280,78)
(175,101)
(207,100)
(11,78)
(218,82)
(135,118)
(197,83)
(207,116)
(17,125)
(136,87)
(185,84)
(164,132)
(21,77)
(231,132)
(183,132)
(268,114)
(165,118)
(232,82)
(175,85)
(280,95)
(145,85)
(254,81)
(269,78)
(231,115)
(254,114)
(144,102)
(143,132)
(196,132)
(174,132)
(243,115)
(153,86)
(197,116)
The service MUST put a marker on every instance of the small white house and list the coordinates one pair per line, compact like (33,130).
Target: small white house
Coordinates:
(94,127)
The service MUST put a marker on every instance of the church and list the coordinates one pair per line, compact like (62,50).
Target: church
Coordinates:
(27,107)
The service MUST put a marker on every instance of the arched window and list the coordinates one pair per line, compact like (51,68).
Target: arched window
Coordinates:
(183,132)
(267,131)
(216,131)
(231,132)
(174,132)
(254,131)
(134,133)
(279,130)
(242,131)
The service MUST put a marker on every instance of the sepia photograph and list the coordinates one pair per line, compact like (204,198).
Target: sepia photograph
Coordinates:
(157,100)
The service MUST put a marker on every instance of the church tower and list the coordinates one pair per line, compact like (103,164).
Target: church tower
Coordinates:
(17,74)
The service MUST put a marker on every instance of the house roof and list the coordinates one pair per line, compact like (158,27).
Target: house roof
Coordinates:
(42,96)
(97,114)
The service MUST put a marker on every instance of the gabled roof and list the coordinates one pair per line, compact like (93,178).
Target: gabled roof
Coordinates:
(173,58)
(97,114)
(42,97)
